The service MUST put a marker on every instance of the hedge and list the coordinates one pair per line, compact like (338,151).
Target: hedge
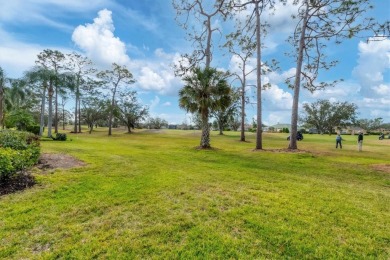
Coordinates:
(18,151)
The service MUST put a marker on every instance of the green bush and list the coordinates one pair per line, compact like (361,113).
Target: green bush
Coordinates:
(6,166)
(19,118)
(60,137)
(17,140)
(33,129)
(18,151)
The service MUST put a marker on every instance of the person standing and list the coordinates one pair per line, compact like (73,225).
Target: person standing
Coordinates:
(338,141)
(360,141)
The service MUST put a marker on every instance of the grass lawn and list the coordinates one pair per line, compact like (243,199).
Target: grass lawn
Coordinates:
(151,195)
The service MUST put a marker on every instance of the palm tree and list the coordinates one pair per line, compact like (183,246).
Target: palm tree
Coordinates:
(204,92)
(41,77)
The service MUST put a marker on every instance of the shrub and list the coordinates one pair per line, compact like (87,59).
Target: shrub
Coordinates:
(18,151)
(33,129)
(19,119)
(60,137)
(17,140)
(6,167)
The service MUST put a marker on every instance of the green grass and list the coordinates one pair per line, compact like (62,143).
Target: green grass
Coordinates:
(153,195)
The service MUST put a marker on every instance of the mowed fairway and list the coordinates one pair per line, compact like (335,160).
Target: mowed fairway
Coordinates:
(152,195)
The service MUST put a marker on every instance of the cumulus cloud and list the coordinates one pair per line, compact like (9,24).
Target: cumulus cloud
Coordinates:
(156,74)
(154,103)
(276,98)
(167,104)
(373,65)
(98,40)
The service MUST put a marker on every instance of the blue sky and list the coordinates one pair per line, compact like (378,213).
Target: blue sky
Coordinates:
(144,36)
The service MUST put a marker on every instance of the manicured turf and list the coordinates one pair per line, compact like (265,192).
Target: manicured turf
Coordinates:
(153,195)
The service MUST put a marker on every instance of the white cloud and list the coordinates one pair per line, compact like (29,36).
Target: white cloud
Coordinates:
(157,74)
(17,57)
(98,40)
(276,98)
(278,117)
(154,103)
(383,90)
(373,65)
(167,104)
(36,11)
(150,80)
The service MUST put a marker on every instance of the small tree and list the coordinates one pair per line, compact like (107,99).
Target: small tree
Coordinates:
(370,124)
(156,123)
(226,112)
(129,111)
(116,77)
(199,96)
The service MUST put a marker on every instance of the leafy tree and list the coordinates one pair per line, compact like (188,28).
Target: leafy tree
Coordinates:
(94,109)
(156,122)
(370,124)
(227,110)
(318,22)
(40,77)
(130,111)
(20,119)
(81,71)
(201,94)
(53,60)
(235,123)
(325,115)
(117,76)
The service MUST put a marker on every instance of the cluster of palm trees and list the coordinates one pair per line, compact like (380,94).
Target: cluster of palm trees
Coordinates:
(56,77)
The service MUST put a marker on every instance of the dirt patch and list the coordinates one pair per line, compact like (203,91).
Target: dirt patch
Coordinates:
(382,167)
(16,183)
(281,150)
(49,161)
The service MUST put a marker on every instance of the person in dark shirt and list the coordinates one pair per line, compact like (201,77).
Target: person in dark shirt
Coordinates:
(338,141)
(360,141)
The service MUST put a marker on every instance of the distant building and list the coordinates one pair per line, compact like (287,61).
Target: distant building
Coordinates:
(279,127)
(172,126)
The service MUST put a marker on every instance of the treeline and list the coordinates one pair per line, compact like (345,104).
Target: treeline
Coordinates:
(41,96)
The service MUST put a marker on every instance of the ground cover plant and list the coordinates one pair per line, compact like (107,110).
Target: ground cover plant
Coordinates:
(152,194)
(18,151)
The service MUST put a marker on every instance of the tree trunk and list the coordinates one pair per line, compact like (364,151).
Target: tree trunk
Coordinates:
(56,110)
(43,101)
(75,113)
(294,113)
(50,116)
(205,139)
(111,113)
(79,110)
(243,105)
(208,44)
(259,130)
(63,117)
